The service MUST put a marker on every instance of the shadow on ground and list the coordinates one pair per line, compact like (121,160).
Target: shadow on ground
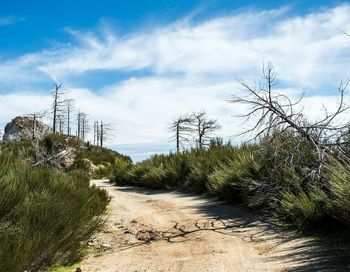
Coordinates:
(297,251)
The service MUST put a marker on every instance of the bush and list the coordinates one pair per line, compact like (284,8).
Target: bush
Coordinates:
(120,171)
(189,170)
(277,176)
(102,161)
(338,176)
(84,165)
(45,215)
(304,210)
(237,180)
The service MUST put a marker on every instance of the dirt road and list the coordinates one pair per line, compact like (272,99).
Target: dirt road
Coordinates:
(168,231)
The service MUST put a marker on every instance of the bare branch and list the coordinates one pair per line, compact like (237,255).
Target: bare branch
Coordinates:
(276,113)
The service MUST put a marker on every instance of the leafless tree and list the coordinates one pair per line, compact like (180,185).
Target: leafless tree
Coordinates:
(181,129)
(35,117)
(82,125)
(103,132)
(95,132)
(61,122)
(203,127)
(57,105)
(69,105)
(277,113)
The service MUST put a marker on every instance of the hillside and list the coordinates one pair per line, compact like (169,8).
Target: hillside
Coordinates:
(48,210)
(36,143)
(46,214)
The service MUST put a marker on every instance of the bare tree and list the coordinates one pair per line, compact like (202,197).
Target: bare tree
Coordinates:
(103,132)
(57,105)
(204,128)
(277,113)
(95,131)
(181,129)
(78,116)
(61,122)
(82,125)
(98,133)
(69,110)
(36,116)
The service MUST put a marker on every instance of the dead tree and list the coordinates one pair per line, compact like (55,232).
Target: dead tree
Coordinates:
(95,132)
(181,129)
(204,128)
(78,125)
(69,105)
(57,105)
(61,123)
(277,113)
(82,125)
(35,117)
(103,133)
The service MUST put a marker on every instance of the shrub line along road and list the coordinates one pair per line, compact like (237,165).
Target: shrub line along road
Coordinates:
(149,230)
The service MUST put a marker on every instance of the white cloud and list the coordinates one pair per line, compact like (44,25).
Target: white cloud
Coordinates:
(190,67)
(234,45)
(10,20)
(21,103)
(304,49)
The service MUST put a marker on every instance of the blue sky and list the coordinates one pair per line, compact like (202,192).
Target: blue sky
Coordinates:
(139,64)
(35,25)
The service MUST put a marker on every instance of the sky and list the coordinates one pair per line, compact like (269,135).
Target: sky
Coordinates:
(138,65)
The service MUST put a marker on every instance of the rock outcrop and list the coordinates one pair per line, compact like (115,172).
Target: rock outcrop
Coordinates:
(24,128)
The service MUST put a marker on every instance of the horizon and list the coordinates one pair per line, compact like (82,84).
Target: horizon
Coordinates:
(140,69)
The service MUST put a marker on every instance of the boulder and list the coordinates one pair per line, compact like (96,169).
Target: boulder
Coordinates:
(22,128)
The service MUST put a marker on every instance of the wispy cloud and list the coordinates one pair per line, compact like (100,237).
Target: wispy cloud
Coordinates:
(191,66)
(10,20)
(232,46)
(302,48)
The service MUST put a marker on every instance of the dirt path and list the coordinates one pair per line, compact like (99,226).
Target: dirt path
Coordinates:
(168,231)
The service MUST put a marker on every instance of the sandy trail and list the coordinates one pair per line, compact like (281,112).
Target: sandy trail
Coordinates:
(169,231)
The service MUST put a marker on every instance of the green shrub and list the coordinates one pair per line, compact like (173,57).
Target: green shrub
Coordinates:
(102,171)
(45,215)
(147,175)
(277,176)
(102,161)
(84,165)
(237,180)
(303,210)
(100,155)
(120,171)
(338,176)
(188,170)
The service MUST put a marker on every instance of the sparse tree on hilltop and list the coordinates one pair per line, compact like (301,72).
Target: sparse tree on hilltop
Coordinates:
(35,117)
(69,110)
(103,132)
(82,125)
(57,105)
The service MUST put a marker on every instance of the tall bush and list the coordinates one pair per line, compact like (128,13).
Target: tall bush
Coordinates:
(45,215)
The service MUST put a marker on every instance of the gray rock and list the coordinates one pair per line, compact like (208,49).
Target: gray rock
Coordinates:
(22,128)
